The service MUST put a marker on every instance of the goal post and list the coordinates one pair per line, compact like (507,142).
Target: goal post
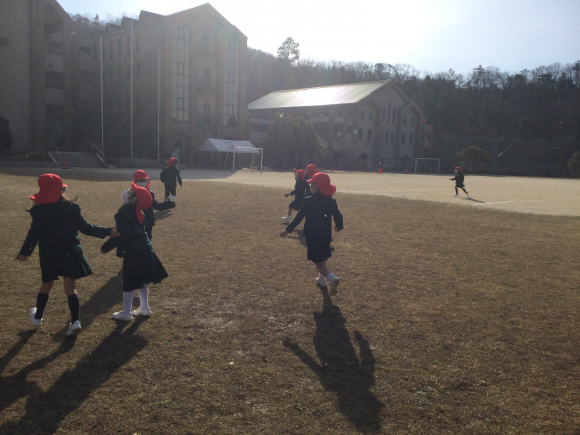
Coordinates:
(426,165)
(245,150)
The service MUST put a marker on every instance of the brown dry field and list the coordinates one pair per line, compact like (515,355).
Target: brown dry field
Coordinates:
(451,317)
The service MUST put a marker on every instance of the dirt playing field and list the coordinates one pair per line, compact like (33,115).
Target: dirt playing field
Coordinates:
(452,316)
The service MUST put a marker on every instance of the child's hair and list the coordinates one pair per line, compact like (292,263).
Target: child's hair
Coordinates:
(62,195)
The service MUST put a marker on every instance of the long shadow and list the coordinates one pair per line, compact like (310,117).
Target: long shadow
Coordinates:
(299,236)
(340,369)
(99,303)
(16,386)
(474,200)
(162,214)
(46,410)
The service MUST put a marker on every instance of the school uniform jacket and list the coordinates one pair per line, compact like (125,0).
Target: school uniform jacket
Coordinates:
(170,176)
(159,206)
(459,177)
(140,264)
(299,193)
(55,229)
(319,210)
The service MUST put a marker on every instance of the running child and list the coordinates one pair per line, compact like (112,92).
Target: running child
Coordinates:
(140,264)
(170,176)
(319,209)
(299,192)
(56,222)
(142,180)
(459,177)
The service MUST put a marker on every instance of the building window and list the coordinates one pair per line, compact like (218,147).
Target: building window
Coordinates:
(180,63)
(384,112)
(412,121)
(362,115)
(128,72)
(371,116)
(389,114)
(392,137)
(369,135)
(205,45)
(138,42)
(111,75)
(360,134)
(206,79)
(206,111)
(111,50)
(231,82)
(403,139)
(128,44)
(54,80)
(119,48)
(410,138)
(138,70)
(386,137)
(394,115)
(404,120)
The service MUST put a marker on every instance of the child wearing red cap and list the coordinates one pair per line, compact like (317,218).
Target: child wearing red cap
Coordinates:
(56,222)
(140,264)
(299,192)
(310,171)
(459,177)
(319,209)
(141,179)
(170,176)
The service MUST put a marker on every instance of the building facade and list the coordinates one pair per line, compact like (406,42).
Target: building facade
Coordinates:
(157,82)
(362,124)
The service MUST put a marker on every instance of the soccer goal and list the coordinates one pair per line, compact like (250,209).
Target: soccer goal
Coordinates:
(429,166)
(244,150)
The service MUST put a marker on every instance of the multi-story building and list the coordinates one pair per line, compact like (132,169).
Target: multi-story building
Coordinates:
(179,77)
(170,80)
(362,124)
(36,89)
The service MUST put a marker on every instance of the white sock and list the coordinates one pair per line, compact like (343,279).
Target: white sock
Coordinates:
(144,297)
(321,278)
(172,197)
(127,302)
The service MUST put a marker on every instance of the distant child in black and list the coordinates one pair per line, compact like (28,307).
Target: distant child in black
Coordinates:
(141,179)
(140,264)
(319,209)
(170,176)
(299,192)
(459,177)
(56,222)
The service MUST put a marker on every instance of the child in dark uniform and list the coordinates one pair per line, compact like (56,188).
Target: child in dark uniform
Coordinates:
(56,222)
(298,193)
(170,176)
(319,209)
(140,264)
(142,180)
(459,177)
(310,171)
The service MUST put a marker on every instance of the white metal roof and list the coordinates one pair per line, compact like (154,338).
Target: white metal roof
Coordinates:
(228,146)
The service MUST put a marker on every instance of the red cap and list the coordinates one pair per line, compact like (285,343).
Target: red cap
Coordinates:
(458,168)
(144,201)
(50,186)
(141,175)
(170,161)
(311,169)
(322,180)
(300,172)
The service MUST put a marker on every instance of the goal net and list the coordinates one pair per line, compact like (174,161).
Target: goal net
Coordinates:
(427,166)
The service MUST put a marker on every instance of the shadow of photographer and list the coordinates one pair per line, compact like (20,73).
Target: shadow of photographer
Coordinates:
(340,369)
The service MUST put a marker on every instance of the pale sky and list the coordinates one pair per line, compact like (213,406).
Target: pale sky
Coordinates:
(431,35)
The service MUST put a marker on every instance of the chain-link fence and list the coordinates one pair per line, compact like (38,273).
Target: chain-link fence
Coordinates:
(509,156)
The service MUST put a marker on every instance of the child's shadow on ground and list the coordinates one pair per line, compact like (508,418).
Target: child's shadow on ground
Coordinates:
(299,236)
(99,303)
(45,410)
(474,200)
(162,214)
(340,370)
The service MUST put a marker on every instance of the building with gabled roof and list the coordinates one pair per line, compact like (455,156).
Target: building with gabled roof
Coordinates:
(362,124)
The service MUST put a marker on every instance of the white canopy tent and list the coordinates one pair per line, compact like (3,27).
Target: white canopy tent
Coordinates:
(234,147)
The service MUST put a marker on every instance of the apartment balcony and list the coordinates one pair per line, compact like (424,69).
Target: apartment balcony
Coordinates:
(53,62)
(85,62)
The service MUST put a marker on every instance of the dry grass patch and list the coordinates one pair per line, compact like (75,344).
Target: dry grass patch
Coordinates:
(448,320)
